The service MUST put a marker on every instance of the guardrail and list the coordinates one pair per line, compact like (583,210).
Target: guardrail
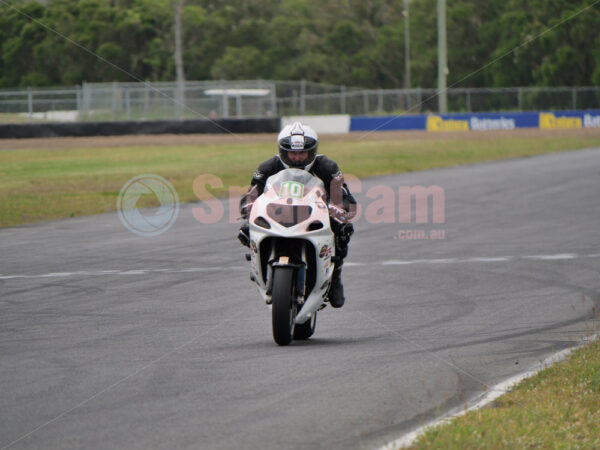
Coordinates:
(232,125)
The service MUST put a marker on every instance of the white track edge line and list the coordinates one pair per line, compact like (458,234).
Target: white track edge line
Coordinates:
(486,398)
(386,263)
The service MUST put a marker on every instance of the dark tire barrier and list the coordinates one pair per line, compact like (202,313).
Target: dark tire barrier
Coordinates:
(41,130)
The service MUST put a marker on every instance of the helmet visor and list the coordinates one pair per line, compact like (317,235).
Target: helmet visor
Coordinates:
(297,143)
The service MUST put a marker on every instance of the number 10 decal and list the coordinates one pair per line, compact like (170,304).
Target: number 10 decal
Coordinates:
(291,189)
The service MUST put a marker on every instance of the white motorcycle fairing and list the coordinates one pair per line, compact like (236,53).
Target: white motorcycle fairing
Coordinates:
(289,226)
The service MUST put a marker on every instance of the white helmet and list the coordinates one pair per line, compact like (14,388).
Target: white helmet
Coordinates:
(298,138)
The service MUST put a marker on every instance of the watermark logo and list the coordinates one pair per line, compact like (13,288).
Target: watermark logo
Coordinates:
(383,204)
(420,235)
(148,221)
(404,205)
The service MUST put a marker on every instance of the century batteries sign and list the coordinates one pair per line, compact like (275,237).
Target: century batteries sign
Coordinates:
(569,119)
(439,123)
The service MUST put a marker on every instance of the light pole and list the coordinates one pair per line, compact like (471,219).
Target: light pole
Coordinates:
(442,56)
(406,47)
(180,83)
(407,55)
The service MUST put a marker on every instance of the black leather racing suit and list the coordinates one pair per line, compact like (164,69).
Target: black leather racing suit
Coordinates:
(338,194)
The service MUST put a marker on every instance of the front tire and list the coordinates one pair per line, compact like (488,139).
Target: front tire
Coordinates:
(307,329)
(283,311)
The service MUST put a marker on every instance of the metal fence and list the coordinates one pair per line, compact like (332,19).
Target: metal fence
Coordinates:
(218,99)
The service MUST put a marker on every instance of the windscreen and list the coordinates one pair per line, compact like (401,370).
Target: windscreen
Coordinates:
(295,183)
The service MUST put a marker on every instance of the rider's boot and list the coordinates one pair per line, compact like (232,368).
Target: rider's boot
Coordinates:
(336,291)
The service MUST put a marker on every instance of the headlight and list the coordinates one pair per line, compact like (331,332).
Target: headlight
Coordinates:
(261,222)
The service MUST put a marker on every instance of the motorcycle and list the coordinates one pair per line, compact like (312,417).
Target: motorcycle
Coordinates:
(292,251)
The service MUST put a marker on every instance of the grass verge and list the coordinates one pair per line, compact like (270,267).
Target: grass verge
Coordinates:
(54,183)
(557,408)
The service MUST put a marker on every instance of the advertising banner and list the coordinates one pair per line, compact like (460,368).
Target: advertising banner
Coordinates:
(479,121)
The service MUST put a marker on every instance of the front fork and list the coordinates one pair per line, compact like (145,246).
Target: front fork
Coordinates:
(299,266)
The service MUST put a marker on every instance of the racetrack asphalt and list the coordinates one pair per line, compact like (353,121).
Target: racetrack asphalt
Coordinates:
(110,340)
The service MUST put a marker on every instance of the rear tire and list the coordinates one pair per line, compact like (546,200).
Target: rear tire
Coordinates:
(283,311)
(307,329)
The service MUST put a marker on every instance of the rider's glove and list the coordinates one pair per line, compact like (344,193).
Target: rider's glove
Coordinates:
(338,214)
(244,235)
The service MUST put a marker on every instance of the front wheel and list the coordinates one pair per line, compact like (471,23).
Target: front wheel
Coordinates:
(284,310)
(307,329)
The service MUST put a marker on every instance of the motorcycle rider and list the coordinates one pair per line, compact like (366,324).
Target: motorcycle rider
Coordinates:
(298,145)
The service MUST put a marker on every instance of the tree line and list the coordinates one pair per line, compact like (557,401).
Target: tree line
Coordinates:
(347,42)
